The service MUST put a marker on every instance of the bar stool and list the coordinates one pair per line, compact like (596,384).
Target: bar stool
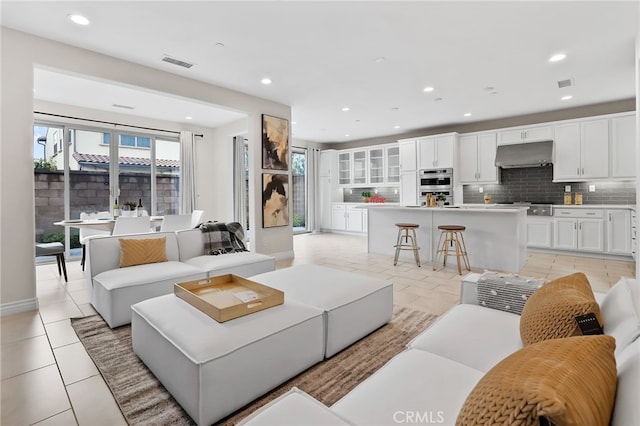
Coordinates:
(403,234)
(452,238)
(53,249)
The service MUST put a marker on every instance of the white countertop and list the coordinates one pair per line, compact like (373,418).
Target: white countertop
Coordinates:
(595,206)
(451,209)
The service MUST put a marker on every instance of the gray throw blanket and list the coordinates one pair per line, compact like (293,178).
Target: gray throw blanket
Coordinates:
(222,238)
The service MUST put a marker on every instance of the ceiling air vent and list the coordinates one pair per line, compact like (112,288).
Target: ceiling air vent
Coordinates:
(565,83)
(174,61)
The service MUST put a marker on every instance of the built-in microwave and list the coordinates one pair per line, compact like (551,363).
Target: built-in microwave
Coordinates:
(436,181)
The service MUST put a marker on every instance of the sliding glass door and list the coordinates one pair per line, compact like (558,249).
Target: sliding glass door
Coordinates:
(98,166)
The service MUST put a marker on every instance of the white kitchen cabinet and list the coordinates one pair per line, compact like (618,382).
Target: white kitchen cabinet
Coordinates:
(376,165)
(476,162)
(409,188)
(344,168)
(436,152)
(345,217)
(392,154)
(408,155)
(619,231)
(339,217)
(525,134)
(634,235)
(365,220)
(581,150)
(354,219)
(623,147)
(328,184)
(540,232)
(578,229)
(359,166)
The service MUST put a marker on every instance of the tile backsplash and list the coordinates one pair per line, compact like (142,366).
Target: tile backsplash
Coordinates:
(354,195)
(535,184)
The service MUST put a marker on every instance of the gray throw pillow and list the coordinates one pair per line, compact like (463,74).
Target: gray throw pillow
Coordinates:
(506,292)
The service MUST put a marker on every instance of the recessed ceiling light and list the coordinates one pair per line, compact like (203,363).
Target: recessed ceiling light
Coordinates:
(467,114)
(428,89)
(265,81)
(345,109)
(380,59)
(396,127)
(557,57)
(347,134)
(566,98)
(78,19)
(188,117)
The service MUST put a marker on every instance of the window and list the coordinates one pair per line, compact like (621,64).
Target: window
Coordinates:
(135,141)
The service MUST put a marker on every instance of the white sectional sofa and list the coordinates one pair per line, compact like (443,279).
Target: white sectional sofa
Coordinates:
(429,382)
(112,289)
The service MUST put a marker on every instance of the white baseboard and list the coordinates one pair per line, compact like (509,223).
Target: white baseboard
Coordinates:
(18,307)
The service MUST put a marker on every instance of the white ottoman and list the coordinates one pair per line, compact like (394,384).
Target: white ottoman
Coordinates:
(354,305)
(213,369)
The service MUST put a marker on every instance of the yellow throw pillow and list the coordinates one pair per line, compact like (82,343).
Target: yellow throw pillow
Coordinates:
(141,251)
(550,312)
(569,381)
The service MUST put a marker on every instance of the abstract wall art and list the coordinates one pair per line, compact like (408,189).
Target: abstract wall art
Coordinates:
(275,200)
(275,143)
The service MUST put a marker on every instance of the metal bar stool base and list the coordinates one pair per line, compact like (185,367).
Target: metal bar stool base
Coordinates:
(453,240)
(402,242)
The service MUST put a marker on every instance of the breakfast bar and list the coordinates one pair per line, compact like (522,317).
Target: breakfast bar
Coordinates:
(495,236)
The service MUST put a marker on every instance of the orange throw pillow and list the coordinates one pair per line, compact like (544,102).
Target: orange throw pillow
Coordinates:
(141,251)
(550,312)
(571,382)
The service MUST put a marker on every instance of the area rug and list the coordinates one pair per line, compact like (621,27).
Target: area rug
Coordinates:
(144,401)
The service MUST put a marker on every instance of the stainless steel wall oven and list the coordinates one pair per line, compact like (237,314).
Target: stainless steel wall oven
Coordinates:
(436,181)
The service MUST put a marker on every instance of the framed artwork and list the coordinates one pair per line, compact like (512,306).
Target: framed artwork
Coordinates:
(275,200)
(275,143)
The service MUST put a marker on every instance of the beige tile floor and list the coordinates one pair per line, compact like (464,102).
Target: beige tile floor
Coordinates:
(48,378)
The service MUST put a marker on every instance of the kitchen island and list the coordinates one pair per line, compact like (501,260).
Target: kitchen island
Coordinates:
(495,236)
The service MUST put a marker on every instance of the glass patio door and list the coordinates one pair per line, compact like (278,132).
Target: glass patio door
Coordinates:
(80,170)
(299,189)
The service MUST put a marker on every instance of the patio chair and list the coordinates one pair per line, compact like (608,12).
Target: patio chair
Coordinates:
(53,249)
(132,225)
(196,217)
(176,222)
(88,233)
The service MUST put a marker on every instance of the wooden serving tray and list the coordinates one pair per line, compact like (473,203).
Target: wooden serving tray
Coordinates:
(226,297)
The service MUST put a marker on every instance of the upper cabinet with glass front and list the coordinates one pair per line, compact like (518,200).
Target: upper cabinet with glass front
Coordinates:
(344,168)
(393,163)
(374,165)
(360,167)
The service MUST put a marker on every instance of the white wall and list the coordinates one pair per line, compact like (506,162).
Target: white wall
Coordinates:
(215,170)
(20,52)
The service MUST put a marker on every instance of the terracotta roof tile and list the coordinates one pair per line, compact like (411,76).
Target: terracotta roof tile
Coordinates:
(126,161)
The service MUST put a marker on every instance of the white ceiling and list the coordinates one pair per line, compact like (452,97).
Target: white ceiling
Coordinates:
(322,56)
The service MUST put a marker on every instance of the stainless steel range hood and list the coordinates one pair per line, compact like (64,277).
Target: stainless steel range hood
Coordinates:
(532,154)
